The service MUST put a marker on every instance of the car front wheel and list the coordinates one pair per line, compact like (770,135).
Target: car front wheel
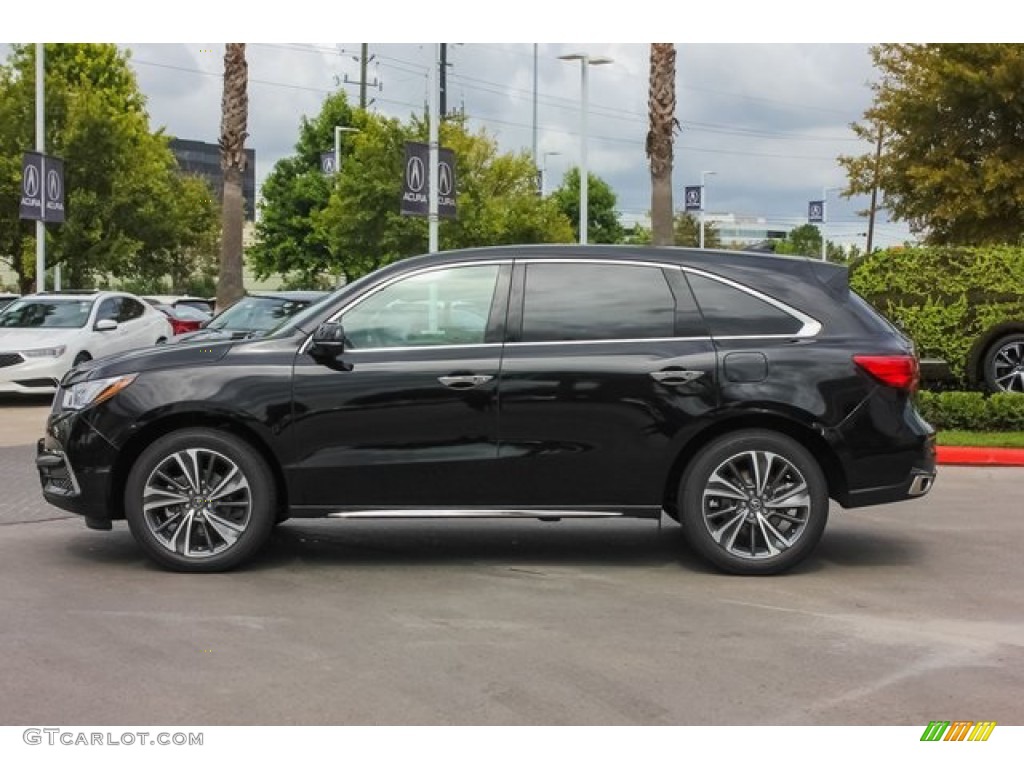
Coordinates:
(754,502)
(1004,364)
(200,500)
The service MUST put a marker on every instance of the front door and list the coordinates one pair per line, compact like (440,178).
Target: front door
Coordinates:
(407,415)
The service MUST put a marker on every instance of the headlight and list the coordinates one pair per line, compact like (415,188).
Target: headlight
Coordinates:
(89,393)
(46,352)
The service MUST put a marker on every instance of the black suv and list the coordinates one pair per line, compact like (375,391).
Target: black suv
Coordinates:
(734,392)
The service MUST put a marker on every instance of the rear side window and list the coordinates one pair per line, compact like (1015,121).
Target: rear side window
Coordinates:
(589,302)
(729,311)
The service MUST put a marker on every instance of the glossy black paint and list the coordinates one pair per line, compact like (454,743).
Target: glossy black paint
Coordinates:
(562,424)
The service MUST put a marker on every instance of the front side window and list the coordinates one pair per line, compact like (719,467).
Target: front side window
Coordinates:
(130,310)
(440,307)
(590,302)
(43,313)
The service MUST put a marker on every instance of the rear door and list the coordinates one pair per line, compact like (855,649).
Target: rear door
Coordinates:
(606,370)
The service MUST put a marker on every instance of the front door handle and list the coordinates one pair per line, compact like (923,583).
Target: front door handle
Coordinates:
(675,377)
(464,382)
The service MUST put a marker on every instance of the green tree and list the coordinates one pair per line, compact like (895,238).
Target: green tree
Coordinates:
(603,224)
(686,228)
(119,176)
(355,226)
(294,192)
(952,157)
(804,240)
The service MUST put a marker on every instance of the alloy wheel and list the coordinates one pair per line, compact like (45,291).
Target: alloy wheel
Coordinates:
(197,503)
(756,505)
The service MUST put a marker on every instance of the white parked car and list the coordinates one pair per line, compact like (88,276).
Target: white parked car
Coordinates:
(44,335)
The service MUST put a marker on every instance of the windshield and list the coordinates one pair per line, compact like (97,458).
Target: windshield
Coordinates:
(46,313)
(256,313)
(300,318)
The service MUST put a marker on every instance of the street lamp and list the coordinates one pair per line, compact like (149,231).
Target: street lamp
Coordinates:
(338,130)
(703,204)
(544,169)
(585,60)
(824,217)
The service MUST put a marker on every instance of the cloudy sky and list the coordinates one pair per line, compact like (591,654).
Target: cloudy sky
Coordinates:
(768,119)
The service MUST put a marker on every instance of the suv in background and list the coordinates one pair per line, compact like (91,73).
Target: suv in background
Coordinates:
(44,335)
(254,315)
(733,392)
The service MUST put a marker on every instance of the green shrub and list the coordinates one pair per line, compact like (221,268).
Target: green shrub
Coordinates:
(944,298)
(1002,412)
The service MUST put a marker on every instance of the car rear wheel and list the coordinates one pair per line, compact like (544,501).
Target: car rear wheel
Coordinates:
(754,502)
(200,500)
(1003,366)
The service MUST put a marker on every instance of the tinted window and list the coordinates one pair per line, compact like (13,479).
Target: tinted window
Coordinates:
(43,313)
(445,306)
(729,311)
(130,310)
(578,302)
(109,310)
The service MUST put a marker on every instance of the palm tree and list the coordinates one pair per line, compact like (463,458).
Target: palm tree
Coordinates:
(233,120)
(661,103)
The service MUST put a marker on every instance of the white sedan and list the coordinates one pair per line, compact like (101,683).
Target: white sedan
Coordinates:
(45,335)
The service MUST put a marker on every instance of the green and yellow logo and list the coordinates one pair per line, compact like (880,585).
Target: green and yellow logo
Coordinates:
(958,730)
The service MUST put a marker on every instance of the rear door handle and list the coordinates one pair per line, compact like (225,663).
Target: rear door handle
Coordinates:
(464,382)
(676,377)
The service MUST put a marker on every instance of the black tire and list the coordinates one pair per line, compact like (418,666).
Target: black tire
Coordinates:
(81,357)
(1003,365)
(730,501)
(213,517)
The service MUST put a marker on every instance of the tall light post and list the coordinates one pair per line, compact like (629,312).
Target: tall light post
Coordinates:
(338,130)
(703,204)
(544,169)
(585,61)
(824,218)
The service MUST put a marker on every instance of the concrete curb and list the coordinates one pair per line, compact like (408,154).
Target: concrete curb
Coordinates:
(980,457)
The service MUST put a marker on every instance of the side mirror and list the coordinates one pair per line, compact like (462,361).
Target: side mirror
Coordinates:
(106,325)
(328,341)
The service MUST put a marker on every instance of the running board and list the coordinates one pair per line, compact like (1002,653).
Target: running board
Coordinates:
(541,514)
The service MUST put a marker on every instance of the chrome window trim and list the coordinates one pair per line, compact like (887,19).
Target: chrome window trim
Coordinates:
(810,326)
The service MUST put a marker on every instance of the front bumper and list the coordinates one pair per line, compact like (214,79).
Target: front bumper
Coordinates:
(32,375)
(75,464)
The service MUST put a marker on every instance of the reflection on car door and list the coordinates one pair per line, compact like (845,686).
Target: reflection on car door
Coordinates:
(607,366)
(407,416)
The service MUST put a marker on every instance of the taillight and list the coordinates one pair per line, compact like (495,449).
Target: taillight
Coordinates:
(899,371)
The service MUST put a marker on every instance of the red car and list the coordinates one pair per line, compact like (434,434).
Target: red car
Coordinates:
(183,318)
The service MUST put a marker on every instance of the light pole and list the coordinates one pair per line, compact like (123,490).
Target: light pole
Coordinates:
(585,60)
(544,169)
(703,204)
(824,217)
(338,130)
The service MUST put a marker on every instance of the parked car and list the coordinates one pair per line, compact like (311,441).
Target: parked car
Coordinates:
(184,318)
(734,392)
(254,315)
(44,335)
(7,298)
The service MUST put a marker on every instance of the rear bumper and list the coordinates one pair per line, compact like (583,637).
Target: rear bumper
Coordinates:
(918,484)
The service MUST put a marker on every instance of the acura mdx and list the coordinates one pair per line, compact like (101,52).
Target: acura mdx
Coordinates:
(734,392)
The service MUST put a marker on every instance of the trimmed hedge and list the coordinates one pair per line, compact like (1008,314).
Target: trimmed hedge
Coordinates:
(974,411)
(944,297)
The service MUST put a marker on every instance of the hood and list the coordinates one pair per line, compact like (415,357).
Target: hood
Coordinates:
(209,335)
(148,359)
(18,339)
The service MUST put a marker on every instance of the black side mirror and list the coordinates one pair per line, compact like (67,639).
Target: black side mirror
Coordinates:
(328,341)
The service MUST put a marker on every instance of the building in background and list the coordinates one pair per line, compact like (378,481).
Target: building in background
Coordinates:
(203,159)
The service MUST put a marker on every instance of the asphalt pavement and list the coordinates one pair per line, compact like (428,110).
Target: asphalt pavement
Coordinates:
(906,613)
